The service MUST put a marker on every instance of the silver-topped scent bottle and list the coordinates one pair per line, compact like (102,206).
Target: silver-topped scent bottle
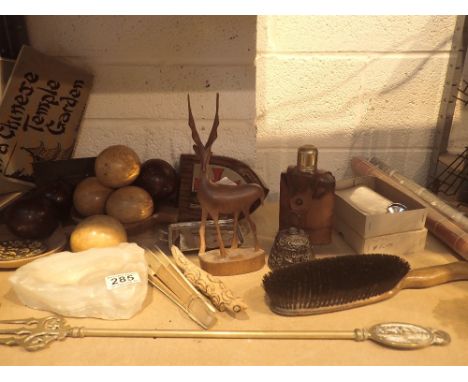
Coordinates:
(307,197)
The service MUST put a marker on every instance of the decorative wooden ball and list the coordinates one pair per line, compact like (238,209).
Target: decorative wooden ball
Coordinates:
(90,197)
(32,218)
(130,204)
(117,166)
(97,231)
(158,178)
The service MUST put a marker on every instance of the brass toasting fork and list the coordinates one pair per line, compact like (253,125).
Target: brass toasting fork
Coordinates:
(38,333)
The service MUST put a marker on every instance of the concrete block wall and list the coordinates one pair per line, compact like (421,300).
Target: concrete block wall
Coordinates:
(143,68)
(352,85)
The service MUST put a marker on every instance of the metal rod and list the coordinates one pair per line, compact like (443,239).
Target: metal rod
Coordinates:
(248,334)
(54,328)
(8,331)
(454,73)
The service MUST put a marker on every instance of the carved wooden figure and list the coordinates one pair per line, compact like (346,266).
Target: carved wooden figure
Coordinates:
(216,199)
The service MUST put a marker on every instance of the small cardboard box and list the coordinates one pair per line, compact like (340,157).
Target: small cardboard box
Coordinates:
(379,224)
(400,243)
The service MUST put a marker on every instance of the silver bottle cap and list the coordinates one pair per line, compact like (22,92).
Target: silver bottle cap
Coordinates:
(396,208)
(307,156)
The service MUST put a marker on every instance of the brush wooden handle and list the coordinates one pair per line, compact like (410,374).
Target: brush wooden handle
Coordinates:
(436,275)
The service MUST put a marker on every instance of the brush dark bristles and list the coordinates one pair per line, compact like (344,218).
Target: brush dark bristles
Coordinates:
(333,281)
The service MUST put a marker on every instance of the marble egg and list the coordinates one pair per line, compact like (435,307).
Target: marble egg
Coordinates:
(98,231)
(90,197)
(130,204)
(117,166)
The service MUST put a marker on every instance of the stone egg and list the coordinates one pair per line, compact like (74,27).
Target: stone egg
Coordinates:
(117,166)
(97,231)
(90,197)
(130,204)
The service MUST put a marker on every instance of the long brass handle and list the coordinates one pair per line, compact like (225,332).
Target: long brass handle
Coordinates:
(37,334)
(221,334)
(436,275)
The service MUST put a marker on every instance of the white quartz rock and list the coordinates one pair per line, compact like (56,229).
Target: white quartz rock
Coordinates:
(74,284)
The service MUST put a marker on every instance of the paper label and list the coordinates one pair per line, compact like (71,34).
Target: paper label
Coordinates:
(122,279)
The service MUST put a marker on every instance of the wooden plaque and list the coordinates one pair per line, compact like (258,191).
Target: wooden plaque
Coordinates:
(219,167)
(40,113)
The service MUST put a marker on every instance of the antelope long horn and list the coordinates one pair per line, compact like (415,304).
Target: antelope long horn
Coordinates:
(214,129)
(191,122)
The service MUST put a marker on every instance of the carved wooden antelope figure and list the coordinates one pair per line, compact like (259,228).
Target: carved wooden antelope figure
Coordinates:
(216,198)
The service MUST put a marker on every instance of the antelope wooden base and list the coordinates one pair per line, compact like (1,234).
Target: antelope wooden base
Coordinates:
(237,261)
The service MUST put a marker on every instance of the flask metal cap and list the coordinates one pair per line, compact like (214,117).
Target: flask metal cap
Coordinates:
(307,156)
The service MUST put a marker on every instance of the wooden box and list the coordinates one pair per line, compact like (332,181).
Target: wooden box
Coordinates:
(377,224)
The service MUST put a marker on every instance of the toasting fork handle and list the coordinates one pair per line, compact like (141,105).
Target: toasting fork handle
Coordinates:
(435,275)
(392,334)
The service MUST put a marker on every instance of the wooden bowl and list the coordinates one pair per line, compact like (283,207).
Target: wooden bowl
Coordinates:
(54,243)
